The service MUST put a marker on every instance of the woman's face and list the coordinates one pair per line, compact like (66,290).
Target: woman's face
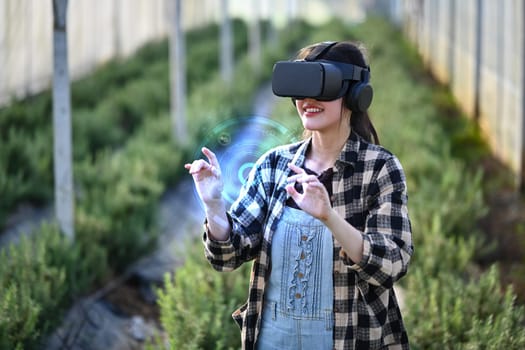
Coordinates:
(321,116)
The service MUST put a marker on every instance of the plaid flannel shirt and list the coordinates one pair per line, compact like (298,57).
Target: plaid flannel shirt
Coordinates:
(369,191)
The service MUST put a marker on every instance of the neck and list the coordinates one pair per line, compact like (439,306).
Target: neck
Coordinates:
(325,149)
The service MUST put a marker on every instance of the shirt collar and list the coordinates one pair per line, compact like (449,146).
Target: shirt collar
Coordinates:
(348,155)
(300,154)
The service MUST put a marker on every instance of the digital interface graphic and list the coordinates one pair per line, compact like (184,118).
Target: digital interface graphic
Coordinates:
(238,143)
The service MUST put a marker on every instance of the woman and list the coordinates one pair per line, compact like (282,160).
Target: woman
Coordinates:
(325,220)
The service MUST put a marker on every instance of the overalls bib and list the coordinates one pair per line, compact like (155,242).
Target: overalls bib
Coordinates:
(297,309)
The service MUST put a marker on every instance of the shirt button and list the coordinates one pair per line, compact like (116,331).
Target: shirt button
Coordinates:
(298,295)
(300,275)
(304,238)
(302,256)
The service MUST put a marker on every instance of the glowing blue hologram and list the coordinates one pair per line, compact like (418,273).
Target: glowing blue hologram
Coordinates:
(242,176)
(238,143)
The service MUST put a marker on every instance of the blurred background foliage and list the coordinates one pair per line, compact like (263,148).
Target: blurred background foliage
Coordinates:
(125,158)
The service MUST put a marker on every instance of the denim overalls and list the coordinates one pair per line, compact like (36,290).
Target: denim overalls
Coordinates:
(297,311)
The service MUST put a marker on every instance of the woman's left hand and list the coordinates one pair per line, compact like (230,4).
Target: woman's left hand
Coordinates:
(314,200)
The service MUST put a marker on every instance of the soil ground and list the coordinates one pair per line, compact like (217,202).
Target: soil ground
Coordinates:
(504,226)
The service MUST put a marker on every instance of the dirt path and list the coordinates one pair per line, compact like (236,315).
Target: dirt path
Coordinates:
(504,226)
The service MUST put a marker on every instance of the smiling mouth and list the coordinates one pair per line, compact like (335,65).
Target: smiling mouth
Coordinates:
(313,110)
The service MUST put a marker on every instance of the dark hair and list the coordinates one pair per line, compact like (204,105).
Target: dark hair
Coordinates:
(348,52)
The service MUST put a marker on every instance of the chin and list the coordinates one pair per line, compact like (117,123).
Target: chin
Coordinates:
(311,126)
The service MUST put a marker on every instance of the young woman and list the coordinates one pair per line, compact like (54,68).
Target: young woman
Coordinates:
(325,220)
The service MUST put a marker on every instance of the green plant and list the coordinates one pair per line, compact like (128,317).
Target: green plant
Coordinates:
(196,303)
(447,312)
(37,276)
(121,193)
(25,168)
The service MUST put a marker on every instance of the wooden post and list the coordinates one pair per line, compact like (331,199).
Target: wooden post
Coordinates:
(178,73)
(522,173)
(62,155)
(3,55)
(255,38)
(226,44)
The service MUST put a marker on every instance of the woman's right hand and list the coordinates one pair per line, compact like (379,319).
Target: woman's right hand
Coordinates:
(207,178)
(208,182)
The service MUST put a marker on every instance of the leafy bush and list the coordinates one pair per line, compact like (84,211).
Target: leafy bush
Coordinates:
(114,120)
(460,198)
(25,168)
(27,115)
(109,78)
(36,277)
(446,313)
(121,193)
(195,304)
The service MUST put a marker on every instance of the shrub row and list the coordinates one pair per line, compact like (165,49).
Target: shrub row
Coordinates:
(37,278)
(107,107)
(125,156)
(450,302)
(196,305)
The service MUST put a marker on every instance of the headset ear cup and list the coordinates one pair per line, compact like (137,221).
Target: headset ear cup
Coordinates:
(359,97)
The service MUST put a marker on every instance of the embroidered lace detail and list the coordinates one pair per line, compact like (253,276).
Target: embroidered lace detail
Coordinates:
(302,255)
(298,291)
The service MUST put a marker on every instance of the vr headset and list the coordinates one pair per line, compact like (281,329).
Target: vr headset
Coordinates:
(323,80)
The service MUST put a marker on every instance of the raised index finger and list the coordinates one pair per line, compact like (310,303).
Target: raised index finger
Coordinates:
(212,158)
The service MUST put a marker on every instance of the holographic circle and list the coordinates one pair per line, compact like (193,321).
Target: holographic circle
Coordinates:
(224,139)
(238,143)
(242,173)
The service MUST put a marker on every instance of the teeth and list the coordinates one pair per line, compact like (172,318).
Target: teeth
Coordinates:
(313,110)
